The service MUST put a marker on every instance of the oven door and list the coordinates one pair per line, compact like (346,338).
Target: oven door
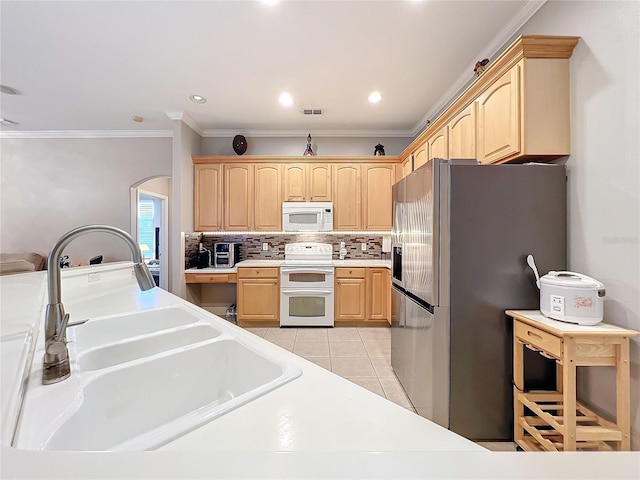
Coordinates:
(306,277)
(306,307)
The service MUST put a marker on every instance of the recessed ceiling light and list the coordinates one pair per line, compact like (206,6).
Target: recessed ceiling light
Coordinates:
(6,121)
(197,99)
(286,100)
(375,97)
(270,2)
(138,119)
(9,90)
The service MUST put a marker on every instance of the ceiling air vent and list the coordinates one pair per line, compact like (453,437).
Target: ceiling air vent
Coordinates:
(312,111)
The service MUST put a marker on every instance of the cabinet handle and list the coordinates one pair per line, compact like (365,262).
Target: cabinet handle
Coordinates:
(257,272)
(534,335)
(350,271)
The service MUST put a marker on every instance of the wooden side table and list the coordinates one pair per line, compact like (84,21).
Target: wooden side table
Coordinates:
(559,422)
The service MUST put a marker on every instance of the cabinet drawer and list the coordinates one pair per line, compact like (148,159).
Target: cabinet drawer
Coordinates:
(346,272)
(211,278)
(538,338)
(259,272)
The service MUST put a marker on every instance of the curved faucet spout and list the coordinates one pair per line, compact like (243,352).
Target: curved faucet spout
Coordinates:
(56,357)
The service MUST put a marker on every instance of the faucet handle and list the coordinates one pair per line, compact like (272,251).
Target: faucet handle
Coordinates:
(62,329)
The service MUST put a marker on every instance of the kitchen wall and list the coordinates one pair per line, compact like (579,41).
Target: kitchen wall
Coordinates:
(603,170)
(50,186)
(295,146)
(251,245)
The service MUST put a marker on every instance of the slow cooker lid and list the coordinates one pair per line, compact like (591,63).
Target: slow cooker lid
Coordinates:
(570,279)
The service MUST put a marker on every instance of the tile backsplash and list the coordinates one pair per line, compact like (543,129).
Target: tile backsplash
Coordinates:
(251,245)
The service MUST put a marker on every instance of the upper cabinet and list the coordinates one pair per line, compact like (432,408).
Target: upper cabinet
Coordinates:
(347,212)
(238,197)
(268,195)
(516,111)
(376,196)
(499,118)
(207,200)
(438,144)
(419,157)
(462,133)
(307,183)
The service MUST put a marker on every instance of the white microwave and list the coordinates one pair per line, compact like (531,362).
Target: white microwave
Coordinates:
(307,216)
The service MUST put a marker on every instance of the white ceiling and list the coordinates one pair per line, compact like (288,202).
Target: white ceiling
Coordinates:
(93,65)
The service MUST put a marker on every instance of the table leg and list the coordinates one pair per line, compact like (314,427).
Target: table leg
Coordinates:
(569,395)
(518,386)
(623,393)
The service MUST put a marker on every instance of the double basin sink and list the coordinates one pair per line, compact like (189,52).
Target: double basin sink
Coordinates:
(141,380)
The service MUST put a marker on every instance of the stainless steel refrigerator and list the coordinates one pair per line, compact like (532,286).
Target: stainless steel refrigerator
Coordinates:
(461,234)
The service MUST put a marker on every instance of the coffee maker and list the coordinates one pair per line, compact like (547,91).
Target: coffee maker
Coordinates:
(204,257)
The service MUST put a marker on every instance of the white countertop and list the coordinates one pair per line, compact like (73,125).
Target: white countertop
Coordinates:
(317,426)
(276,263)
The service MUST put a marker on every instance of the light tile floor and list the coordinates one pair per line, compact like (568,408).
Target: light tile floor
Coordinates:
(361,355)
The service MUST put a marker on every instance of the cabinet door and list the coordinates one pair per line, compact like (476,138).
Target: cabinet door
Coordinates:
(462,133)
(207,198)
(438,144)
(258,299)
(295,183)
(268,194)
(376,198)
(238,197)
(499,118)
(407,167)
(420,157)
(319,184)
(378,294)
(347,214)
(350,299)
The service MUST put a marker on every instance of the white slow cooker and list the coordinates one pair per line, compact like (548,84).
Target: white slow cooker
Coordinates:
(571,297)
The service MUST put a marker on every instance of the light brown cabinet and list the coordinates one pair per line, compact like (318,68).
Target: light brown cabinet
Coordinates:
(420,157)
(258,296)
(517,110)
(207,203)
(378,285)
(407,166)
(438,144)
(238,197)
(307,183)
(347,199)
(268,194)
(376,196)
(350,295)
(362,297)
(462,133)
(499,118)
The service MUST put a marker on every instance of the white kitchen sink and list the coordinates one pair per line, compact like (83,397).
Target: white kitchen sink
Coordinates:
(144,346)
(141,380)
(107,330)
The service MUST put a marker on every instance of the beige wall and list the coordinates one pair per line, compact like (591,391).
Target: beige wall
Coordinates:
(295,146)
(50,186)
(603,170)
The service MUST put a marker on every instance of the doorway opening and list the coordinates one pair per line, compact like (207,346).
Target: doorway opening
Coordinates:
(150,226)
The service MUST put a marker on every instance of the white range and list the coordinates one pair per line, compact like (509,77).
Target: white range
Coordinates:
(306,285)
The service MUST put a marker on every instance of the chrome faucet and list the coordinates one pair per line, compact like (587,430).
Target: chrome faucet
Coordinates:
(56,365)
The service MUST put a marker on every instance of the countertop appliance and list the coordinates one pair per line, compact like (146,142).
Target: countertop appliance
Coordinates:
(226,255)
(461,235)
(571,297)
(306,285)
(204,257)
(307,216)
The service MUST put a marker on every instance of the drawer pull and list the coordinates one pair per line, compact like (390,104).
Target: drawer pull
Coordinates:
(350,271)
(534,335)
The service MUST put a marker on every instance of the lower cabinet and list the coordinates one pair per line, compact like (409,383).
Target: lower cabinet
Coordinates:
(258,297)
(362,297)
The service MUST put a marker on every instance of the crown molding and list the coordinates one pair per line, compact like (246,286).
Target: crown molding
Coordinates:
(490,51)
(87,134)
(187,120)
(303,133)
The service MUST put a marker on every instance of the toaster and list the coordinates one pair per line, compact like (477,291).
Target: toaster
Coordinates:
(571,297)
